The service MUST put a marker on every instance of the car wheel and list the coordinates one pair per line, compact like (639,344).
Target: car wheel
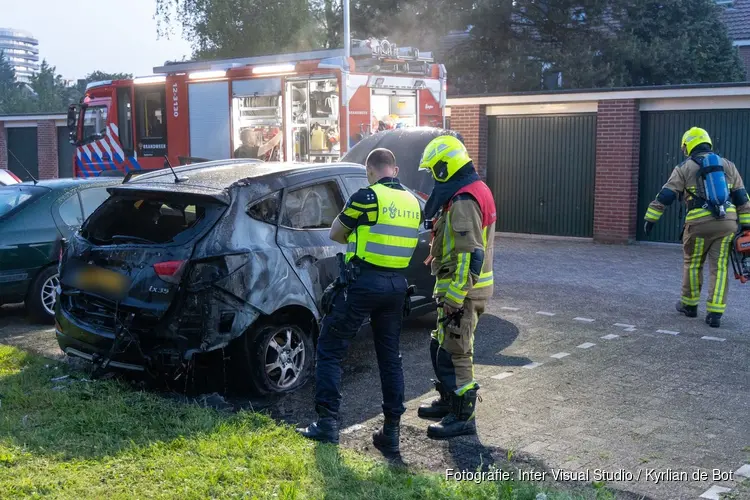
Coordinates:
(278,357)
(40,301)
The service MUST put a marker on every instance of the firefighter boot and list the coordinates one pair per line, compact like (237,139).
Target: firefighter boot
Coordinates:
(713,320)
(689,311)
(460,421)
(325,429)
(386,439)
(439,407)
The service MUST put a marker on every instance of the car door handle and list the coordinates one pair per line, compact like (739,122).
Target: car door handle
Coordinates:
(305,258)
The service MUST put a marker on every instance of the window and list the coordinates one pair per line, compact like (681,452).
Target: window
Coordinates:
(12,198)
(94,123)
(354,184)
(267,209)
(155,220)
(312,207)
(151,121)
(91,199)
(125,119)
(70,211)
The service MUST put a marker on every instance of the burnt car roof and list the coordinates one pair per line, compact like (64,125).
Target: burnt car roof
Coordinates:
(214,177)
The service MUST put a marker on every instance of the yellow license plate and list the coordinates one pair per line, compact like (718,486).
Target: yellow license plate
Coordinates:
(100,280)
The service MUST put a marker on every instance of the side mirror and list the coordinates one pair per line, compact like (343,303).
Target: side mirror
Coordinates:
(72,116)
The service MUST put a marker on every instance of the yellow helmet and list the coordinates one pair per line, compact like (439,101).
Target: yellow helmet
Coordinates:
(692,138)
(444,156)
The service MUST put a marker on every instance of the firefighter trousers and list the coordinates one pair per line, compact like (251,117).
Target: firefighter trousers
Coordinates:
(452,348)
(707,241)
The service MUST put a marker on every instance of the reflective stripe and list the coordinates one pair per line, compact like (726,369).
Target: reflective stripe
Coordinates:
(690,301)
(455,295)
(390,250)
(485,280)
(693,270)
(653,215)
(365,207)
(351,247)
(387,230)
(721,273)
(463,390)
(744,218)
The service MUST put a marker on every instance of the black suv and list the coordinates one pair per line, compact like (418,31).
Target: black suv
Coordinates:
(226,254)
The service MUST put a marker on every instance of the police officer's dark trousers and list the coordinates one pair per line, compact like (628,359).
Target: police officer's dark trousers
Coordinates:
(379,295)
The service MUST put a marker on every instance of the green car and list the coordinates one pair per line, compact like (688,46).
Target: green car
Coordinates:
(34,218)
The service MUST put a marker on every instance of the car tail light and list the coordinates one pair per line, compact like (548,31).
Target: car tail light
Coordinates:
(422,195)
(14,176)
(170,271)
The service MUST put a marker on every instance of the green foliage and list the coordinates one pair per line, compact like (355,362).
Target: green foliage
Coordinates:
(11,93)
(594,43)
(79,439)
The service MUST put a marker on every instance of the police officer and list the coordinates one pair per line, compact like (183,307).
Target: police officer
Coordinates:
(704,235)
(463,211)
(380,224)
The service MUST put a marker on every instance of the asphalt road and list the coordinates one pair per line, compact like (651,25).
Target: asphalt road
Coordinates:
(585,367)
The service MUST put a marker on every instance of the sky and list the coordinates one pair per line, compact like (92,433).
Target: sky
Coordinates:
(81,36)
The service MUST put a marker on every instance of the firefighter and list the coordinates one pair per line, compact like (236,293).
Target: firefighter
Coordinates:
(463,214)
(705,235)
(380,225)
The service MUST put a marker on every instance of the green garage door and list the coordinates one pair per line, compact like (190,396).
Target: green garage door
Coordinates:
(661,132)
(22,144)
(541,170)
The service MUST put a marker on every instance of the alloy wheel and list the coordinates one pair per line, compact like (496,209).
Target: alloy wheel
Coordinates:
(285,358)
(49,293)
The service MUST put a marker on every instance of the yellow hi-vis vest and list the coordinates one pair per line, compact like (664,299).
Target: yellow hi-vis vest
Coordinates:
(392,240)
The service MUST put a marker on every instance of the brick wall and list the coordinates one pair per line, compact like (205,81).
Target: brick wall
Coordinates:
(3,146)
(471,123)
(745,56)
(47,149)
(618,135)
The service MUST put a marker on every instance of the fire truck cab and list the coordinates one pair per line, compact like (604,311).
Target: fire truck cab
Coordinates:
(306,107)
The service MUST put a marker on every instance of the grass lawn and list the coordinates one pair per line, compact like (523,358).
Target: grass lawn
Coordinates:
(77,439)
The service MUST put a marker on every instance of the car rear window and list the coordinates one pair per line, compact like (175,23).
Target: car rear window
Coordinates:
(147,220)
(13,198)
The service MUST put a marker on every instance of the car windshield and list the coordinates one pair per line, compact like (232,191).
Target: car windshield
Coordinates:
(136,220)
(12,198)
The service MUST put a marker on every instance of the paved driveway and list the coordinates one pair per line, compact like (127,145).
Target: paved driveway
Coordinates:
(585,367)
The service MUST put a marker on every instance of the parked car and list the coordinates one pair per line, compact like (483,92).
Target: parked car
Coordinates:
(8,178)
(34,218)
(231,254)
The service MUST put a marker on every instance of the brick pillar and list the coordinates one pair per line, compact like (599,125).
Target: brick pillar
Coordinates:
(46,139)
(471,123)
(3,146)
(618,136)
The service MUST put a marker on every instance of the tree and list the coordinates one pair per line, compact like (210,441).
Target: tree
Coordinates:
(593,43)
(52,95)
(11,97)
(664,42)
(241,28)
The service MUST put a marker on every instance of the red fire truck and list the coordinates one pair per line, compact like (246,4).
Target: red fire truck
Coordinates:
(291,107)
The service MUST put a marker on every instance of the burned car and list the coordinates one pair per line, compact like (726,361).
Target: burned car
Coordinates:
(223,255)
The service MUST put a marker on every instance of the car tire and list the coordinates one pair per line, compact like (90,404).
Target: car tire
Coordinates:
(39,304)
(276,356)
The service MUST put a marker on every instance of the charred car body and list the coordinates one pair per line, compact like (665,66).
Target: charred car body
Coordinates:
(230,255)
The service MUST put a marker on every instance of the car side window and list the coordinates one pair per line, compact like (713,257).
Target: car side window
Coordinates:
(70,211)
(312,207)
(355,183)
(266,209)
(91,199)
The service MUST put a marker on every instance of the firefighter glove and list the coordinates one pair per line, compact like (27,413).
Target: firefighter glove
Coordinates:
(648,227)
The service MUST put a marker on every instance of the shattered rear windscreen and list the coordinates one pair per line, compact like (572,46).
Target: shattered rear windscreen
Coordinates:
(134,220)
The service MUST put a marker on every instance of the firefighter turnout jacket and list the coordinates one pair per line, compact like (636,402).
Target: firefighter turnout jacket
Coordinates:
(684,182)
(385,220)
(462,249)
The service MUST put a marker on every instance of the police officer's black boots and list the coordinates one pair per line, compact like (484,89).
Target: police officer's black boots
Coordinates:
(460,421)
(689,311)
(325,429)
(713,320)
(439,407)
(386,439)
